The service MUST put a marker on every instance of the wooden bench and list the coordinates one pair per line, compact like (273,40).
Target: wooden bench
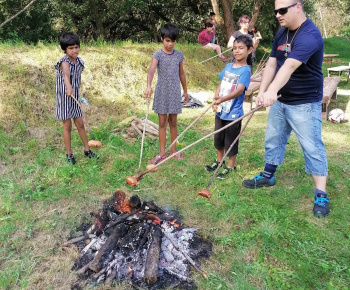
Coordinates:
(330,85)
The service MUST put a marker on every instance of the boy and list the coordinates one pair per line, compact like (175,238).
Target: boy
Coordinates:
(229,97)
(204,38)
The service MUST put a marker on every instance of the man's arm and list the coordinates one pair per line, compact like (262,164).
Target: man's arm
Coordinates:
(269,96)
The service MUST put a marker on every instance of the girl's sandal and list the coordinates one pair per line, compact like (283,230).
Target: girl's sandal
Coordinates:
(177,156)
(158,158)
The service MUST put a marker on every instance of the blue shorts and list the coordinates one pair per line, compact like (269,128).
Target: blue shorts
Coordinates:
(306,122)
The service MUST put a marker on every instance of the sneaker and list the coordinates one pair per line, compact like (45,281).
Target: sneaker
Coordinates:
(212,167)
(177,156)
(70,159)
(321,205)
(258,181)
(90,154)
(225,172)
(158,158)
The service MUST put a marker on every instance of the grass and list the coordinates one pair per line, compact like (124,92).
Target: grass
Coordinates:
(265,238)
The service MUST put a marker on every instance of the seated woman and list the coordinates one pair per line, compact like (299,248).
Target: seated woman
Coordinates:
(204,38)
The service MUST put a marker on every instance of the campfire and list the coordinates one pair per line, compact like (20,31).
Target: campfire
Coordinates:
(137,241)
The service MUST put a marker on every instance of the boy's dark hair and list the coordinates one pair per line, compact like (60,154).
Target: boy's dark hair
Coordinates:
(245,39)
(208,24)
(212,14)
(69,39)
(169,30)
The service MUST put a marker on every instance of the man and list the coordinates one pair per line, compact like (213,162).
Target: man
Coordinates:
(212,21)
(294,71)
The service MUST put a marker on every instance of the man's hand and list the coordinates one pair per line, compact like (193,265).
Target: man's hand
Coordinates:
(266,99)
(148,92)
(186,98)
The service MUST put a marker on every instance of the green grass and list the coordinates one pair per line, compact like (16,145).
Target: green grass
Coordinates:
(265,238)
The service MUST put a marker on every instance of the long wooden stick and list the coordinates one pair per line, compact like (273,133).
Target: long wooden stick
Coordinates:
(188,258)
(184,131)
(18,13)
(143,135)
(196,142)
(215,56)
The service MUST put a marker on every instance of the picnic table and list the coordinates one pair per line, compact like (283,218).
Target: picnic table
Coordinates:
(330,56)
(338,70)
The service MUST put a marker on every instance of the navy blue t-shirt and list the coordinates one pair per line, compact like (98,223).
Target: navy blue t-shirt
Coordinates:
(306,83)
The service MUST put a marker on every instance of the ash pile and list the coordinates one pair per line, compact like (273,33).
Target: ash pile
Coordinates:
(140,243)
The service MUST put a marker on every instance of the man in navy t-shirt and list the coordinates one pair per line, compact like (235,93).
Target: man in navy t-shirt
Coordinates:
(294,71)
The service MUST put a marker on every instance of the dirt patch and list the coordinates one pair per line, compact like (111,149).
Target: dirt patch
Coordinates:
(2,168)
(39,133)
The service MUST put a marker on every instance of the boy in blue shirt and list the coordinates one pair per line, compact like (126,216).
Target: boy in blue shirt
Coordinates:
(229,97)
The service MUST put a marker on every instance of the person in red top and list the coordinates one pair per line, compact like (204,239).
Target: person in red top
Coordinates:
(204,38)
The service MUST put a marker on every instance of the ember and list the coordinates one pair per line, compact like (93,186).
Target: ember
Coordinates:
(139,242)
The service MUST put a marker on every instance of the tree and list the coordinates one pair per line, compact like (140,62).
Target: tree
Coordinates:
(228,18)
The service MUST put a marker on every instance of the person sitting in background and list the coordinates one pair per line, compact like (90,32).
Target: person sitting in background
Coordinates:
(212,21)
(243,25)
(204,38)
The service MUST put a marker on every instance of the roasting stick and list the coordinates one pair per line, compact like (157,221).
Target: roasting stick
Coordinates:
(215,56)
(188,258)
(205,192)
(184,131)
(132,180)
(143,135)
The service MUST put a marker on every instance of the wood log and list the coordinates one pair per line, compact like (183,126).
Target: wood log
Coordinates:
(136,129)
(152,259)
(97,263)
(78,239)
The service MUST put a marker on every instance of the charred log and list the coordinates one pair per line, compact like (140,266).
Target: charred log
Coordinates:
(97,263)
(152,259)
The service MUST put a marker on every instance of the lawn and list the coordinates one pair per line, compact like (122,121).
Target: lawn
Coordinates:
(265,238)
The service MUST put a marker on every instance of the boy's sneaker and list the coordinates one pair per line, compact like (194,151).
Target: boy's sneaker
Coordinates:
(258,181)
(225,172)
(212,167)
(70,159)
(321,205)
(90,154)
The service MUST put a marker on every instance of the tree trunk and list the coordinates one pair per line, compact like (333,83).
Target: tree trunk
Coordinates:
(256,12)
(216,10)
(200,11)
(228,17)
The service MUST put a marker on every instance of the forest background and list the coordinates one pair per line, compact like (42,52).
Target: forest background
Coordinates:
(140,20)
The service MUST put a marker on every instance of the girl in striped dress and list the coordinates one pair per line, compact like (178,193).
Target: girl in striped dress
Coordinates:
(167,96)
(68,78)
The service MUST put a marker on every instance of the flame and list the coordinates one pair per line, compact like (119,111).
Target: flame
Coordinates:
(122,203)
(154,218)
(130,269)
(174,223)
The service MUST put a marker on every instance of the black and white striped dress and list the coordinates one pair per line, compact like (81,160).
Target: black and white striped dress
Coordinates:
(66,107)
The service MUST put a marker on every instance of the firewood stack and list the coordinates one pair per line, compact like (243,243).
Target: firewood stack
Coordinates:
(136,128)
(138,242)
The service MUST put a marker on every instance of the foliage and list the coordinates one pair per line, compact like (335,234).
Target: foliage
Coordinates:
(136,20)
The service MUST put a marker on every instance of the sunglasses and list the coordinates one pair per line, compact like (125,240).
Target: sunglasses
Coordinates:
(284,10)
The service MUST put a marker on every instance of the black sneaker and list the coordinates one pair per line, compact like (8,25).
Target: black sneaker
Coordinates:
(213,166)
(321,205)
(225,172)
(258,181)
(90,154)
(70,159)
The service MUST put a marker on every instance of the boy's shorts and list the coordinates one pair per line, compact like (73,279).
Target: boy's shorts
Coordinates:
(225,138)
